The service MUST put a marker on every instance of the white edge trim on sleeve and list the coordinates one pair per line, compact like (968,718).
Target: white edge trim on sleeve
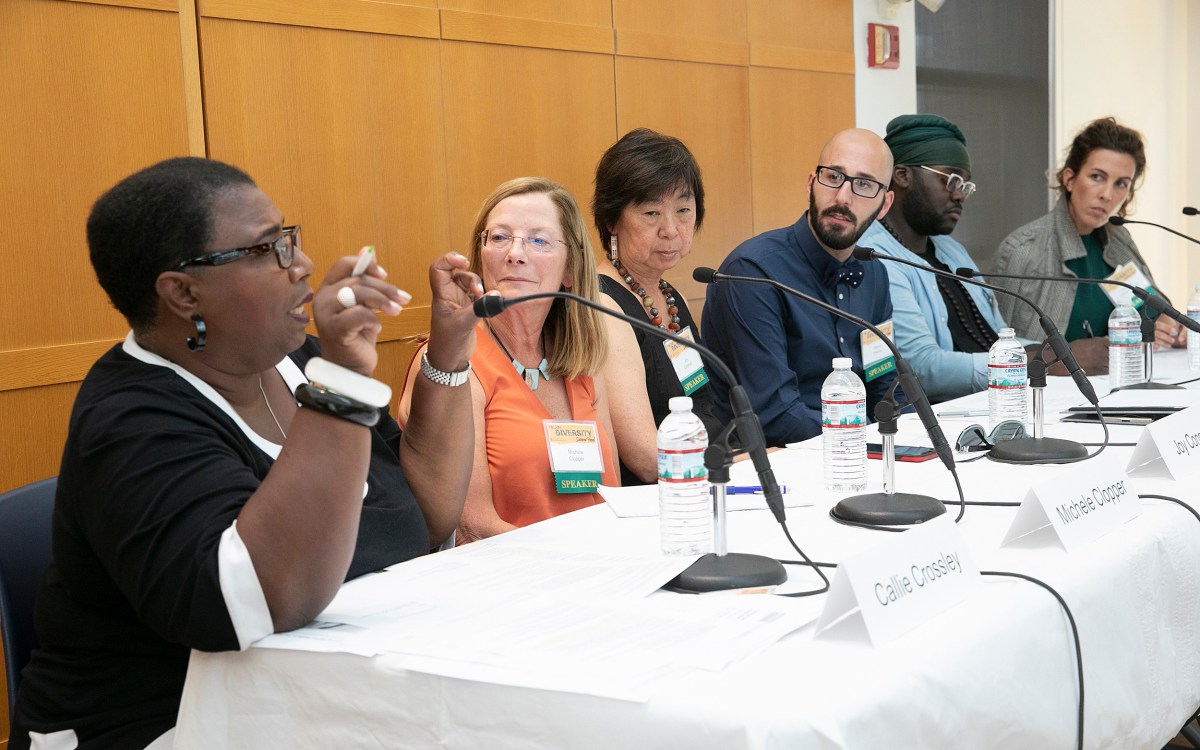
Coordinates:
(240,587)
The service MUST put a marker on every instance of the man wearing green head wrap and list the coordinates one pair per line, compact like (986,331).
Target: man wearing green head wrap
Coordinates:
(943,327)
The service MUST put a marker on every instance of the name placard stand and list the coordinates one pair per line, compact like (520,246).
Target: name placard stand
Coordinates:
(1169,447)
(887,590)
(1074,508)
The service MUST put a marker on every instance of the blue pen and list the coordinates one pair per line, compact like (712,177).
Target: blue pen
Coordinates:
(753,489)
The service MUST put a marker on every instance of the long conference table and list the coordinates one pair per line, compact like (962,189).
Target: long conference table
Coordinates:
(558,635)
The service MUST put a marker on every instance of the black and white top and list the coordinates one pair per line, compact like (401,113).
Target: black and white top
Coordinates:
(147,561)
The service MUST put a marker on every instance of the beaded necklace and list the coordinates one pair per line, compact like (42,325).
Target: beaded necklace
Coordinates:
(965,310)
(648,301)
(531,375)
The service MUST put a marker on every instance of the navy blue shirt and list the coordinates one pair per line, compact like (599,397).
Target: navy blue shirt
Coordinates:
(780,347)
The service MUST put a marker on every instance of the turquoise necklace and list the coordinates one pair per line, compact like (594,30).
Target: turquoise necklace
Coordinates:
(531,375)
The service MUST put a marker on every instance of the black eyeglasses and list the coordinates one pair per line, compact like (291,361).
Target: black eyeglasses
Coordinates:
(861,186)
(954,183)
(284,248)
(974,438)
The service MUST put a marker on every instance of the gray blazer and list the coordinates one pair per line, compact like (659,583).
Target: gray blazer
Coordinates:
(1041,248)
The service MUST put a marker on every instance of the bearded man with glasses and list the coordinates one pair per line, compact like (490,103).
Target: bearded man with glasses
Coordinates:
(780,346)
(944,327)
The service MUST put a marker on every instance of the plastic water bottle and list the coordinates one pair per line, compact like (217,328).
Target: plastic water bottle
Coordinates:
(1008,380)
(843,424)
(684,499)
(1193,311)
(1126,362)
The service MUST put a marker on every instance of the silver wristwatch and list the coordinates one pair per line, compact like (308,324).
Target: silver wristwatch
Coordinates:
(441,377)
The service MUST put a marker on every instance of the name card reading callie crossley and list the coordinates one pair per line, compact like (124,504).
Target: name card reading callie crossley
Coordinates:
(887,590)
(1076,506)
(1169,447)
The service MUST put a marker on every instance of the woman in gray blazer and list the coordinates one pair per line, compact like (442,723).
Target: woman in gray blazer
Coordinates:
(1103,168)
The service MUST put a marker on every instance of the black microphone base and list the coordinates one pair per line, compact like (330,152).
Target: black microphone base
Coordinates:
(1037,451)
(882,509)
(1150,385)
(724,572)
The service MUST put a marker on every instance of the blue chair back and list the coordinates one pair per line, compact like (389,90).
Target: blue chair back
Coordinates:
(24,556)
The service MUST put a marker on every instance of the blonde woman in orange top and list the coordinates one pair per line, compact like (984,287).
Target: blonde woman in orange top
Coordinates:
(532,375)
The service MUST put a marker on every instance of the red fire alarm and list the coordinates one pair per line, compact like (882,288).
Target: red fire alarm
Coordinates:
(883,46)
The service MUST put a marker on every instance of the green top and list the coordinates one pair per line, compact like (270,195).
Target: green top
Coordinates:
(1091,303)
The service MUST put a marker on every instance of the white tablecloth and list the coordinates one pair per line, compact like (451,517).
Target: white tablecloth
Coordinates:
(996,671)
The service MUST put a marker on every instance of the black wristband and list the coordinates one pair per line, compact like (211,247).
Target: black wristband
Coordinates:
(337,405)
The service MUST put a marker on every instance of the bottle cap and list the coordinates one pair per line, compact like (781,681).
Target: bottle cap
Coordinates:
(680,403)
(842,363)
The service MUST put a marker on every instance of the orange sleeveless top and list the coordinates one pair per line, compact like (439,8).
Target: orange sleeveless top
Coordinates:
(523,488)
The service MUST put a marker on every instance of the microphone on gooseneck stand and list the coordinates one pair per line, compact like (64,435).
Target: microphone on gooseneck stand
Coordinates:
(1119,221)
(1155,301)
(719,570)
(888,508)
(1037,449)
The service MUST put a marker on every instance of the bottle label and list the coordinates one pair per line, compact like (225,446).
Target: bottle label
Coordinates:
(1124,335)
(681,465)
(840,414)
(1007,376)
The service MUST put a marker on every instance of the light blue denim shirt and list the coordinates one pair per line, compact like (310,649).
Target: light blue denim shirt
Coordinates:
(919,316)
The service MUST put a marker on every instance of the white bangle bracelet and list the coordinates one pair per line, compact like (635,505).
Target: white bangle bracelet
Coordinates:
(348,383)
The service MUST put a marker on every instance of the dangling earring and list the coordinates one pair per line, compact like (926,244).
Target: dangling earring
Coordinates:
(197,343)
(612,248)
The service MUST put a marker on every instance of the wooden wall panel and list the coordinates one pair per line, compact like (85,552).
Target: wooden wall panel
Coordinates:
(792,114)
(711,31)
(707,107)
(97,93)
(345,142)
(90,92)
(807,24)
(339,132)
(512,112)
(581,12)
(714,20)
(380,121)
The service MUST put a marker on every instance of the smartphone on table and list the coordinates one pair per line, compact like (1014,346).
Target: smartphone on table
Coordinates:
(910,453)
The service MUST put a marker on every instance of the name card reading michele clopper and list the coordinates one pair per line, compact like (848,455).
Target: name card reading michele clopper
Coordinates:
(1169,447)
(895,586)
(1076,506)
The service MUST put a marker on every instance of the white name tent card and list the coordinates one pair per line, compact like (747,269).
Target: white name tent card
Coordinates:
(1080,504)
(1169,447)
(895,586)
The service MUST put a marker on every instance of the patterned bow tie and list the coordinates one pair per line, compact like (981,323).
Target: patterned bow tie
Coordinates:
(850,272)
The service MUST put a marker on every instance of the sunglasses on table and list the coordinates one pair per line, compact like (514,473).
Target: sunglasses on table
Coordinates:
(974,438)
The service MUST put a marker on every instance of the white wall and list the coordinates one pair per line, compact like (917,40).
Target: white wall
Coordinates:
(881,93)
(1132,60)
